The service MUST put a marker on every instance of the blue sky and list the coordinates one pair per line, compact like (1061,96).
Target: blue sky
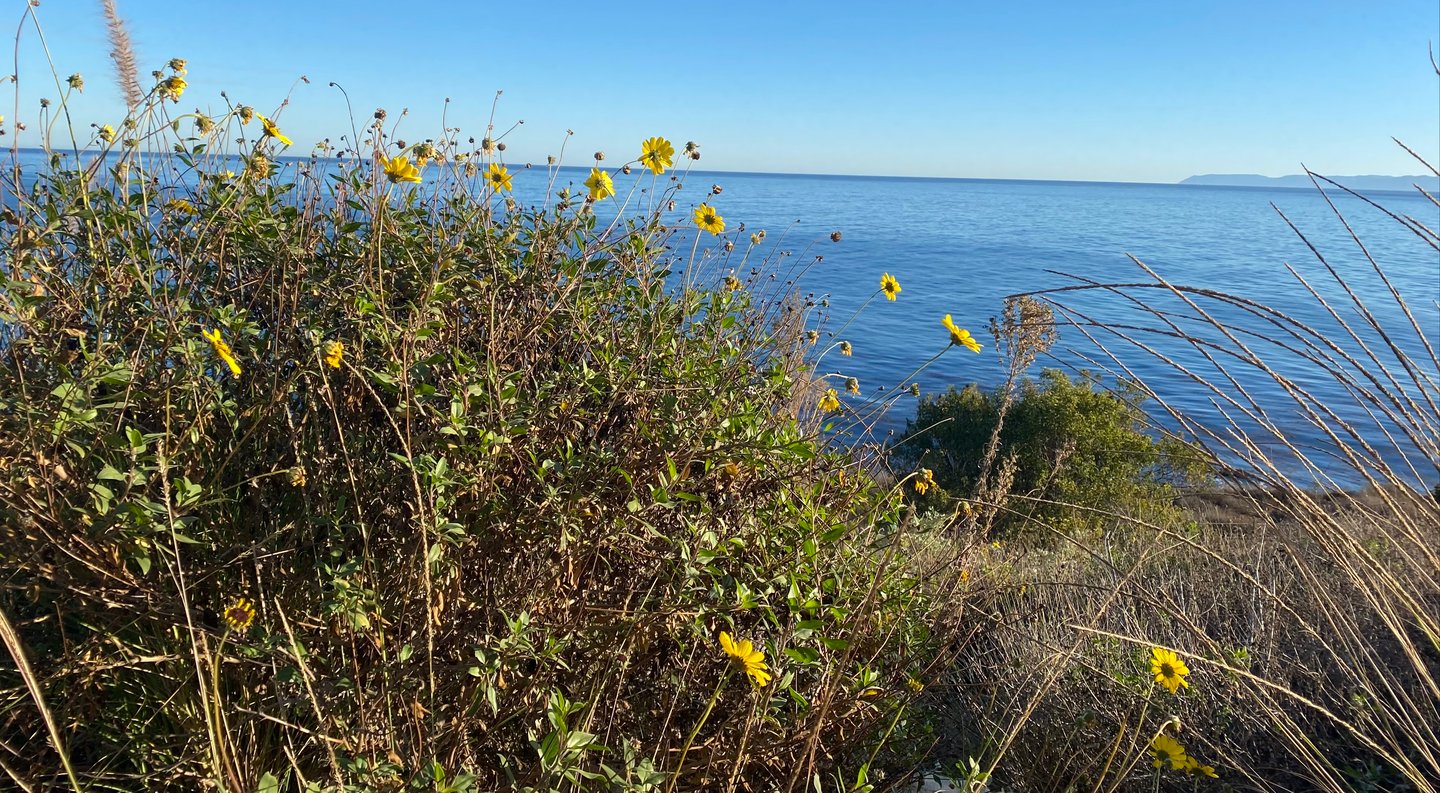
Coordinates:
(1127,91)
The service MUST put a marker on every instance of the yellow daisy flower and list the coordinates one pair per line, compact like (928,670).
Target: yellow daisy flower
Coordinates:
(498,176)
(656,154)
(333,351)
(222,349)
(240,614)
(732,283)
(107,133)
(399,169)
(272,130)
(1168,750)
(924,481)
(890,286)
(1168,669)
(180,206)
(747,658)
(172,87)
(830,402)
(600,185)
(1194,767)
(960,336)
(708,219)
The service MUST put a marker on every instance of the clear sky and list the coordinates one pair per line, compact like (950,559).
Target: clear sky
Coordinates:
(1128,91)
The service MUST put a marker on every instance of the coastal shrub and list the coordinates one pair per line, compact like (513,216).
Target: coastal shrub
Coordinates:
(357,473)
(1074,453)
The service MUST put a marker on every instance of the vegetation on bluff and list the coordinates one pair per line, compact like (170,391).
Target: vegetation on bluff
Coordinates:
(354,472)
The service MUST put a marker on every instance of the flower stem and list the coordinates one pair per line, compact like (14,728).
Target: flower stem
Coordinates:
(690,739)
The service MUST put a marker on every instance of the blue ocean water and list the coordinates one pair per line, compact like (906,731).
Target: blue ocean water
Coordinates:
(960,246)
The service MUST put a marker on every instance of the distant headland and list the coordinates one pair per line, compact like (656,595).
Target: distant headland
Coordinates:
(1368,182)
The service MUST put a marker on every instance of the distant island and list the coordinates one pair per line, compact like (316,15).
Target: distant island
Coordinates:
(1368,182)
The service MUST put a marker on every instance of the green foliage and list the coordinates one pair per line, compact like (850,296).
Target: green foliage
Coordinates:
(1069,451)
(493,547)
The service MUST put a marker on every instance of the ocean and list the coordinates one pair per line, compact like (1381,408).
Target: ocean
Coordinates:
(960,246)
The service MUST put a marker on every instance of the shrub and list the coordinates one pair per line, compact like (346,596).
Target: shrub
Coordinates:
(314,477)
(1071,449)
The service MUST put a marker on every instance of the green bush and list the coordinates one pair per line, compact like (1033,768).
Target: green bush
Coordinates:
(461,495)
(1069,451)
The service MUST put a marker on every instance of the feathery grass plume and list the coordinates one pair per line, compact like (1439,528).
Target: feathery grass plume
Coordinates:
(122,52)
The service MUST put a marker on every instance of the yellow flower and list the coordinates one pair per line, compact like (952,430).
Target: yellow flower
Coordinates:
(1168,669)
(852,385)
(399,169)
(498,176)
(732,283)
(180,206)
(246,113)
(203,123)
(656,154)
(240,613)
(107,133)
(77,82)
(960,336)
(925,481)
(830,402)
(222,349)
(1167,749)
(708,219)
(914,685)
(600,185)
(272,130)
(173,87)
(333,351)
(890,286)
(1194,767)
(747,658)
(845,348)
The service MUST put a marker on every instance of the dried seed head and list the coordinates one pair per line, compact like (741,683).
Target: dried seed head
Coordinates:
(729,246)
(550,160)
(77,82)
(499,147)
(834,236)
(380,114)
(812,336)
(599,155)
(177,65)
(915,389)
(716,189)
(625,169)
